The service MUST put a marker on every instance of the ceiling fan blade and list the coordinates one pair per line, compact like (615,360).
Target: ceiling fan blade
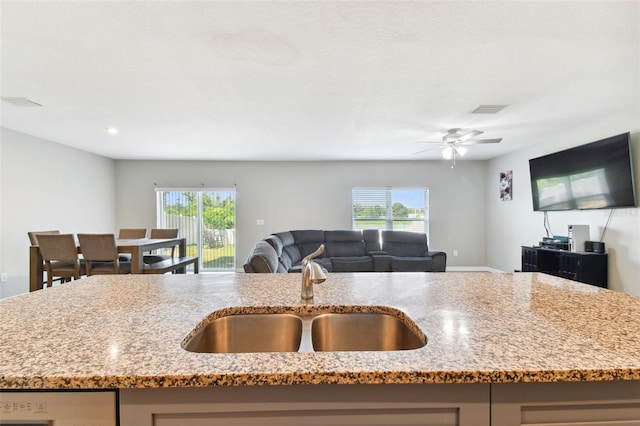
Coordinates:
(479,141)
(429,142)
(426,150)
(469,135)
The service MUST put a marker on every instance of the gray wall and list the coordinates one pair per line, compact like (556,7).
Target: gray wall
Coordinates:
(314,195)
(45,185)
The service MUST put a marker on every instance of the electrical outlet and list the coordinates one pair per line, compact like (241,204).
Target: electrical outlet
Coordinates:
(455,252)
(259,221)
(3,277)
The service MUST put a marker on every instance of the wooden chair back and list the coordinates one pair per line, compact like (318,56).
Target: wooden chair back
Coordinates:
(101,254)
(60,255)
(161,233)
(33,235)
(164,233)
(132,233)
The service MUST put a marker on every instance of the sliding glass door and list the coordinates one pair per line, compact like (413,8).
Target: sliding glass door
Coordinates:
(206,218)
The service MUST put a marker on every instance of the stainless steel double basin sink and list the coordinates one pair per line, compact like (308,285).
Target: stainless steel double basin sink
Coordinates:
(307,332)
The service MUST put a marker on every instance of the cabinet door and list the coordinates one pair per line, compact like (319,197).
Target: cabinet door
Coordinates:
(569,266)
(429,404)
(614,403)
(529,259)
(593,269)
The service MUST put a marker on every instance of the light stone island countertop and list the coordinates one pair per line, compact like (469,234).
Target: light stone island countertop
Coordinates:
(125,332)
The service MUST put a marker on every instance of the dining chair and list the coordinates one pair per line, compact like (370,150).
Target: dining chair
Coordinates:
(33,238)
(130,233)
(60,254)
(100,253)
(161,233)
(33,235)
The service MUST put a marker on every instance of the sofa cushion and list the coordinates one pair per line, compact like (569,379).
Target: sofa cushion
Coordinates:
(285,260)
(411,264)
(371,239)
(343,236)
(295,269)
(344,243)
(381,262)
(263,258)
(352,264)
(276,243)
(286,238)
(324,262)
(290,255)
(404,244)
(308,248)
(308,241)
(308,236)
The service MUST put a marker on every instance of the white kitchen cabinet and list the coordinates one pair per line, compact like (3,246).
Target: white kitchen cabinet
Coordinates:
(439,404)
(615,403)
(603,403)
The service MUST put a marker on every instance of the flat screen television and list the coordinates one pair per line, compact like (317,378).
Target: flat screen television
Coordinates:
(597,175)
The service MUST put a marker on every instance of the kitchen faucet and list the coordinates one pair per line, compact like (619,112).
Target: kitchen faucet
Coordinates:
(312,273)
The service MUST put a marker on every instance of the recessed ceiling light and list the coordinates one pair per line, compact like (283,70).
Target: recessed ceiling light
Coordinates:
(488,109)
(112,130)
(21,102)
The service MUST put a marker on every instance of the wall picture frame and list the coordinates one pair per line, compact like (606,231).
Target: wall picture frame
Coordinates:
(506,185)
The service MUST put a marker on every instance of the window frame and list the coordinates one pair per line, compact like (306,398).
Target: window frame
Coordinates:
(199,239)
(389,219)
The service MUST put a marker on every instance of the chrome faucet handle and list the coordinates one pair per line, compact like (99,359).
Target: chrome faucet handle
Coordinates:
(315,254)
(312,273)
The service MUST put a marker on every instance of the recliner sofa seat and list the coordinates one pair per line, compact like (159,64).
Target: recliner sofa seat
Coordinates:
(369,250)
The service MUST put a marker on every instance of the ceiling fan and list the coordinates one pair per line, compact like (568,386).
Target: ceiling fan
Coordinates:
(453,142)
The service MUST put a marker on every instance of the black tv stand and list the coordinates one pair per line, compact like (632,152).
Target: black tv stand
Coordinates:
(589,268)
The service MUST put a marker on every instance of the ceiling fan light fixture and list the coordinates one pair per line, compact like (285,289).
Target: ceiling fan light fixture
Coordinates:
(453,142)
(447,153)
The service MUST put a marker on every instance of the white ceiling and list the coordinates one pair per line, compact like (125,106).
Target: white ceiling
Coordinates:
(313,80)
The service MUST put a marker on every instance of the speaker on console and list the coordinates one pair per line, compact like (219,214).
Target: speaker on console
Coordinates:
(594,246)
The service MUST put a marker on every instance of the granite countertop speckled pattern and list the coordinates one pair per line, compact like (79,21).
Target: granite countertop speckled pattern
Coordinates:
(126,331)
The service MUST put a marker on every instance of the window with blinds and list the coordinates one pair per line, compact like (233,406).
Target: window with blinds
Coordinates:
(405,209)
(206,218)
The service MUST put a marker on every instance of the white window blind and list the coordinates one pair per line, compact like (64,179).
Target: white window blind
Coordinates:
(390,208)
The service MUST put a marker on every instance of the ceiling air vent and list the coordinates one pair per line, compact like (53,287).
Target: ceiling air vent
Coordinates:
(488,109)
(21,102)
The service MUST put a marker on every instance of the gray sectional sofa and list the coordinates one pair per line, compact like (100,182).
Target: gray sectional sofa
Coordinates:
(369,250)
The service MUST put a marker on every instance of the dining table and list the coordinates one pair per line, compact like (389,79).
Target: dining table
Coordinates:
(136,247)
